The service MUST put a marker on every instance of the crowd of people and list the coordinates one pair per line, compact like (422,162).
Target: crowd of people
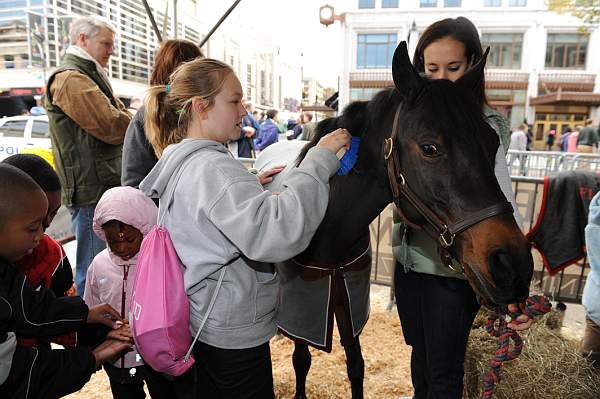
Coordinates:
(584,139)
(113,169)
(260,130)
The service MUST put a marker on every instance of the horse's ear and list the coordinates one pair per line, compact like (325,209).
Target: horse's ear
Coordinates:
(473,77)
(406,78)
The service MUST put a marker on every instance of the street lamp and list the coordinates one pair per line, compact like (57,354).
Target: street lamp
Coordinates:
(327,15)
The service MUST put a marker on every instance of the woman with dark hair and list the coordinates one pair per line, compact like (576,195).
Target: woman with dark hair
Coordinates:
(138,156)
(436,305)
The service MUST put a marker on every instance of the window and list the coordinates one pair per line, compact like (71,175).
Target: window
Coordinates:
(389,3)
(366,3)
(428,3)
(363,94)
(517,3)
(249,82)
(505,49)
(492,3)
(452,3)
(9,61)
(13,129)
(566,51)
(375,50)
(40,130)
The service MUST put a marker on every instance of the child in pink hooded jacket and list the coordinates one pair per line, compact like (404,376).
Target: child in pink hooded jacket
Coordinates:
(124,215)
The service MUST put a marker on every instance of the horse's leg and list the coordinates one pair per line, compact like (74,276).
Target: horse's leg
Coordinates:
(301,360)
(355,364)
(356,368)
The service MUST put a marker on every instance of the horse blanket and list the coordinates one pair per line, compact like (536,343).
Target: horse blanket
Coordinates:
(559,233)
(310,294)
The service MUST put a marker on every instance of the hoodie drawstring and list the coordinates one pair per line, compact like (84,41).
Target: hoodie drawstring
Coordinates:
(123,296)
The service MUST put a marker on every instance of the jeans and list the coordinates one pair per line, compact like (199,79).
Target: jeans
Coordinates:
(436,315)
(88,244)
(591,342)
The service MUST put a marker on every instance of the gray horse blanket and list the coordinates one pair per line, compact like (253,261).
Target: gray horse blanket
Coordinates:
(311,294)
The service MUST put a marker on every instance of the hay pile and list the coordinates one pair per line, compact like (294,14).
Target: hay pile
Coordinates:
(550,365)
(387,361)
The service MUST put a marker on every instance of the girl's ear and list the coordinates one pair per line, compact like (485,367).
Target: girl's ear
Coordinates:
(199,106)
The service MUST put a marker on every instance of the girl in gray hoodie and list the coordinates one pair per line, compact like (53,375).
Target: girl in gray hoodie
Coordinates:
(226,228)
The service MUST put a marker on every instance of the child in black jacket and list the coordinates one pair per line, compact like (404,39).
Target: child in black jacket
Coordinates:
(27,372)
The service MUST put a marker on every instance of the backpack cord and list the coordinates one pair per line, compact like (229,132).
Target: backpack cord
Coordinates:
(205,318)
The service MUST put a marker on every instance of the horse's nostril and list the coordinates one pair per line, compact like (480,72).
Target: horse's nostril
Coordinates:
(502,269)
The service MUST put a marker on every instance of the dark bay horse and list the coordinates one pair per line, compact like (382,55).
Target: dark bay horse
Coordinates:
(428,135)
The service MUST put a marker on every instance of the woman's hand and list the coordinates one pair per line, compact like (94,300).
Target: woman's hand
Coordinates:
(105,314)
(266,177)
(522,322)
(336,140)
(122,333)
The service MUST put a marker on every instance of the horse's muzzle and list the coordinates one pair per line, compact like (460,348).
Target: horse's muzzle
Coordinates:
(511,269)
(498,260)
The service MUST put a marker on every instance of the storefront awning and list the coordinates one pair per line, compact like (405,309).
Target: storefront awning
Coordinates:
(567,98)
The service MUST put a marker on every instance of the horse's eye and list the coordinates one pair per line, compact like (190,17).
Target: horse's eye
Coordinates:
(430,150)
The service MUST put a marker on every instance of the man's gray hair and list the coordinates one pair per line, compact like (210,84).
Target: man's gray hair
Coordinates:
(90,26)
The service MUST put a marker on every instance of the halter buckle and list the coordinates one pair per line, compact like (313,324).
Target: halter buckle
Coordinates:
(459,269)
(446,240)
(402,180)
(389,145)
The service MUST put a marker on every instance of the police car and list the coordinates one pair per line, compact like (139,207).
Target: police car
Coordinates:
(18,133)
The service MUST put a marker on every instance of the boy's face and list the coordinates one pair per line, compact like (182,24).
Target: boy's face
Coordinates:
(53,207)
(124,241)
(21,232)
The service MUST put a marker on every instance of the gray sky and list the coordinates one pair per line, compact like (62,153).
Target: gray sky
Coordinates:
(294,25)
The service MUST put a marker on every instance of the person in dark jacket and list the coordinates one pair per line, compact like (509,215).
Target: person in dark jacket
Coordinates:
(250,129)
(269,132)
(29,372)
(47,266)
(87,124)
(138,156)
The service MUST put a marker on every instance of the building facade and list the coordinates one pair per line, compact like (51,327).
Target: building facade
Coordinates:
(34,37)
(542,68)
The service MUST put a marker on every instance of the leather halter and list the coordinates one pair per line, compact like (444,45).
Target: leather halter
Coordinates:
(442,232)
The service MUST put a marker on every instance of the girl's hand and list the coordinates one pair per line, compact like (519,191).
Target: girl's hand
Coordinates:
(266,177)
(109,349)
(104,314)
(336,140)
(122,333)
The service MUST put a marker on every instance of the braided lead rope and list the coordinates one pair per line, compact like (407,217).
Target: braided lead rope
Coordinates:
(534,306)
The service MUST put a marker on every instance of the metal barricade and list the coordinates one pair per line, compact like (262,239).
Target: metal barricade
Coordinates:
(549,163)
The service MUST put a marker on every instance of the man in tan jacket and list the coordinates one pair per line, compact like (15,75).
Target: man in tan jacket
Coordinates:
(87,127)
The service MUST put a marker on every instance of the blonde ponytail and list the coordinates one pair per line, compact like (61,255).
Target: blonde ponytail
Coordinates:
(168,107)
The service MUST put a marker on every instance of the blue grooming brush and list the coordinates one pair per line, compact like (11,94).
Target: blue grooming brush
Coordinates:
(349,159)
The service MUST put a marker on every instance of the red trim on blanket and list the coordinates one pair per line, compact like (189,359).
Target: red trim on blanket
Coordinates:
(542,210)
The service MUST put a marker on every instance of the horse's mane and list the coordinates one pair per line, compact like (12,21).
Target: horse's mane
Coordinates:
(356,117)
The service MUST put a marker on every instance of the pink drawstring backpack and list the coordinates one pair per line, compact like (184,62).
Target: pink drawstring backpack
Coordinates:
(159,313)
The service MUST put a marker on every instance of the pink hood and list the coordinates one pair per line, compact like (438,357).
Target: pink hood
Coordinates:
(128,205)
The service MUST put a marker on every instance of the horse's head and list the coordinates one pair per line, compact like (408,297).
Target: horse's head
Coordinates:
(446,154)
